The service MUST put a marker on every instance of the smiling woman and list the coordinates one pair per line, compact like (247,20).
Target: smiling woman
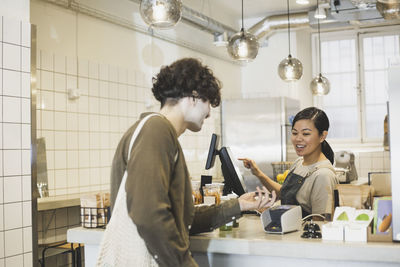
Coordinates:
(311,179)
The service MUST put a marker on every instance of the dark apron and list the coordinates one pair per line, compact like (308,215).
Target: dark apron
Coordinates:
(289,190)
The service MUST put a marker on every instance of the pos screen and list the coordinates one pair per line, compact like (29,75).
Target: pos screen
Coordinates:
(232,178)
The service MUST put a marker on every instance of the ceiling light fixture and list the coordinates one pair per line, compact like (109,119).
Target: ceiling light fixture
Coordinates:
(320,12)
(302,2)
(290,69)
(243,46)
(161,14)
(320,84)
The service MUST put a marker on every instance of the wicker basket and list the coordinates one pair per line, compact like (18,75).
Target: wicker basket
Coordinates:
(280,167)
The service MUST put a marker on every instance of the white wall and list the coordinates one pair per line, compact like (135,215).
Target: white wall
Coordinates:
(260,78)
(66,35)
(15,125)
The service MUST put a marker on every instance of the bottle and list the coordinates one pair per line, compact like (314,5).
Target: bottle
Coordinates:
(235,223)
(229,225)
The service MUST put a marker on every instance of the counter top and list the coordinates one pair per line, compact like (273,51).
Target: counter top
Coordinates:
(250,239)
(63,201)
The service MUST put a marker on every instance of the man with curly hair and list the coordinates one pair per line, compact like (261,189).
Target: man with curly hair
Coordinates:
(158,188)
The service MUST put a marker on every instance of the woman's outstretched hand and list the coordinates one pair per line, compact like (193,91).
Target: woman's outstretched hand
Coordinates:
(251,164)
(257,200)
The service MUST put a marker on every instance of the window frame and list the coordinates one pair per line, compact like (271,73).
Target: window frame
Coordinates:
(358,35)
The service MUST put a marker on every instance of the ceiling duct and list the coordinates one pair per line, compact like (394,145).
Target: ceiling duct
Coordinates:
(389,9)
(267,26)
(355,10)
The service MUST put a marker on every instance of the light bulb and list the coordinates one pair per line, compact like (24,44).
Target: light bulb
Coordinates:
(242,49)
(320,13)
(302,2)
(243,46)
(290,69)
(320,85)
(161,14)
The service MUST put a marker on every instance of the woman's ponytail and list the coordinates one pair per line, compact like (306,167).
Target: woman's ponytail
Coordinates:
(328,152)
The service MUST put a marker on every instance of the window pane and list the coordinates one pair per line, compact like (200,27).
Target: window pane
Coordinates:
(342,122)
(375,116)
(377,52)
(339,66)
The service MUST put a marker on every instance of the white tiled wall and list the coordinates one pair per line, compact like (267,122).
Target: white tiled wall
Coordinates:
(81,135)
(15,169)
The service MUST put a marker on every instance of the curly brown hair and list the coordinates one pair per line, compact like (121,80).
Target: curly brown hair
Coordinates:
(186,77)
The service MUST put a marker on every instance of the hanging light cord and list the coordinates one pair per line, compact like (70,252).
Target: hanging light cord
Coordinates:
(288,22)
(319,41)
(242,18)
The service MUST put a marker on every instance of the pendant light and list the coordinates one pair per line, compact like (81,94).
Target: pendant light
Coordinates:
(290,69)
(161,14)
(319,85)
(243,45)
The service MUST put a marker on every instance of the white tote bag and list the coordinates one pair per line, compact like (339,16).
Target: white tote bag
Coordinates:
(121,245)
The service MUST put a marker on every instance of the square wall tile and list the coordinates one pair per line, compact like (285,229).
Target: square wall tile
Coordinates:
(122,75)
(12,162)
(72,65)
(72,121)
(60,62)
(84,140)
(60,140)
(12,216)
(26,161)
(1,71)
(1,242)
(47,100)
(14,261)
(103,89)
(60,101)
(26,136)
(28,259)
(25,59)
(26,187)
(1,31)
(46,80)
(25,110)
(46,61)
(60,159)
(47,120)
(113,73)
(60,121)
(103,72)
(11,136)
(26,34)
(1,219)
(11,31)
(27,213)
(11,109)
(93,87)
(83,67)
(72,141)
(72,178)
(12,189)
(11,83)
(93,70)
(60,82)
(60,177)
(26,85)
(72,159)
(11,57)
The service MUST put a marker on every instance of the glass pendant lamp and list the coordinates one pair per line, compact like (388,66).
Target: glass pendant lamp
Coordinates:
(243,46)
(161,14)
(320,84)
(290,69)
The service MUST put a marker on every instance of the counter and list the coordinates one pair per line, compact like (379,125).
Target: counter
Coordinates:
(62,201)
(251,245)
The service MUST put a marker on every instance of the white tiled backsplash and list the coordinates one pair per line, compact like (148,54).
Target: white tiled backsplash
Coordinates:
(15,126)
(81,135)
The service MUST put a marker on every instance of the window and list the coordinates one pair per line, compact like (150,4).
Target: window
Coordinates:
(356,65)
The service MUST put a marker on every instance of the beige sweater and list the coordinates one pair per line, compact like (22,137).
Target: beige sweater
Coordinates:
(159,193)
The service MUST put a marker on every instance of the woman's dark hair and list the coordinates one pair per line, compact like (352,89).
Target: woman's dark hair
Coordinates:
(186,77)
(321,122)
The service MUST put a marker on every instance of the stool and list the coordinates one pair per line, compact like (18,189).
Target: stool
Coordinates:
(65,247)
